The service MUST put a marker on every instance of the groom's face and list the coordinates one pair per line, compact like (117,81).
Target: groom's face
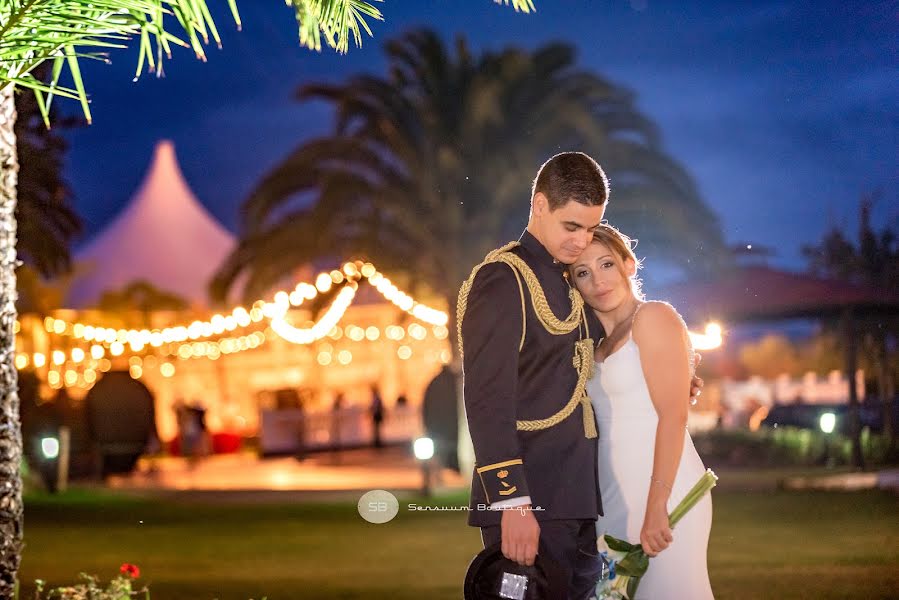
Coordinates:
(568,230)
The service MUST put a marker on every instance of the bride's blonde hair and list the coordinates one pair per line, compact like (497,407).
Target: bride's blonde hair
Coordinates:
(623,246)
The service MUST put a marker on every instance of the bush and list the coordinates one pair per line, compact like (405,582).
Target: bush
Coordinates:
(785,446)
(119,588)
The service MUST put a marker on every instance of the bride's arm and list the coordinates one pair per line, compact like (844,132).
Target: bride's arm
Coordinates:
(664,345)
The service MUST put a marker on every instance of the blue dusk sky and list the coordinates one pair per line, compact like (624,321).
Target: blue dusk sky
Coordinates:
(785,113)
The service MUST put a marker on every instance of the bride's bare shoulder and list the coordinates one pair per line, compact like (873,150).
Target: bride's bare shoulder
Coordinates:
(657,322)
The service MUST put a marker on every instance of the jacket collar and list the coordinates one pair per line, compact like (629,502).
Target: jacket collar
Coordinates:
(538,251)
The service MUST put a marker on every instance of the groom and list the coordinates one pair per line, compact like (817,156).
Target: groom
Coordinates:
(525,367)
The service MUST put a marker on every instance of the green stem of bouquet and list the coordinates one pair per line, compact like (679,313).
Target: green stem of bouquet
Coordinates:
(702,487)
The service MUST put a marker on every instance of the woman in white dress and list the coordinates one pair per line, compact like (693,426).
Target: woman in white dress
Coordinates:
(640,392)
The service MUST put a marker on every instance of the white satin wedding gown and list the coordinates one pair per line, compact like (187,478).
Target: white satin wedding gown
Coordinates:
(627,423)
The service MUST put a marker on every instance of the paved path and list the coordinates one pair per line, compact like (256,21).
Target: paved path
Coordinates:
(245,475)
(886,480)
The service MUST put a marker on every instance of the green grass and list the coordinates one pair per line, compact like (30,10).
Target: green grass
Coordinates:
(764,545)
(812,545)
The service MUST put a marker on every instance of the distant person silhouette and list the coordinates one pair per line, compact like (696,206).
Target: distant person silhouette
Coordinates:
(440,414)
(377,416)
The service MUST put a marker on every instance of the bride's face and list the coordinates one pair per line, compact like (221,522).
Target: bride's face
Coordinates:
(602,277)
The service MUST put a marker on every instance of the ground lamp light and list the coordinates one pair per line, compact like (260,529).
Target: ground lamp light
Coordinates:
(53,460)
(827,423)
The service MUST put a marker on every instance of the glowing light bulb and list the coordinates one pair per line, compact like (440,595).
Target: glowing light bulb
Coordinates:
(323,282)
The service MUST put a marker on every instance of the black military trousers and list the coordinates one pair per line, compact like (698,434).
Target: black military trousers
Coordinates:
(571,543)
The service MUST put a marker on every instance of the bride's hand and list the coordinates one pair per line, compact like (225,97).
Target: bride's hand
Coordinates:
(656,534)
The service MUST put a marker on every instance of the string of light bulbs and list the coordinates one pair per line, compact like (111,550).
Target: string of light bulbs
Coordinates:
(242,317)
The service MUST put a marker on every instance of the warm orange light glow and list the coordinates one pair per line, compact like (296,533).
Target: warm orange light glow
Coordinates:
(709,340)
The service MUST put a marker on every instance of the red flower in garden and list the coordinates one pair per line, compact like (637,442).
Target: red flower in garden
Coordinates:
(130,570)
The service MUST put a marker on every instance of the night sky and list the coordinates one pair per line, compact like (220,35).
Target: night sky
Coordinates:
(784,113)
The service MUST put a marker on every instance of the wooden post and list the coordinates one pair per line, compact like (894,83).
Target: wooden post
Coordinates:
(62,464)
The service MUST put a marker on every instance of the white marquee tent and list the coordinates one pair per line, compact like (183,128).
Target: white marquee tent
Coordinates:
(164,236)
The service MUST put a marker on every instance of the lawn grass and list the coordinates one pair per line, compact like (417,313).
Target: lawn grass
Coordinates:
(771,544)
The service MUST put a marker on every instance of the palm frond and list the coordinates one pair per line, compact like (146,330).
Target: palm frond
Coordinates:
(310,166)
(334,20)
(525,6)
(49,30)
(40,30)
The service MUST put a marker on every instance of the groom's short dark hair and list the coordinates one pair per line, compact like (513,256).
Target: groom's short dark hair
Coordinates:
(571,176)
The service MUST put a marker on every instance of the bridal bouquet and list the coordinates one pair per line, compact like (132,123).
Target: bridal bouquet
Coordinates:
(625,563)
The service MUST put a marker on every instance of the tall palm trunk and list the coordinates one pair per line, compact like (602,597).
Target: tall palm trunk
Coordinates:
(851,333)
(886,392)
(11,510)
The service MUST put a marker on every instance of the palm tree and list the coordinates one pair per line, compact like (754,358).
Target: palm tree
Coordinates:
(47,222)
(872,261)
(430,167)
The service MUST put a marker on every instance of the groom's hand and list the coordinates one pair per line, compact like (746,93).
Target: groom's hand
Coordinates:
(520,534)
(697,383)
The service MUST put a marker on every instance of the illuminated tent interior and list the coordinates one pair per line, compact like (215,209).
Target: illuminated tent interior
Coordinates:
(235,363)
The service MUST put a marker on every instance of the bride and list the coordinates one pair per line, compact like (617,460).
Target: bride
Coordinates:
(647,462)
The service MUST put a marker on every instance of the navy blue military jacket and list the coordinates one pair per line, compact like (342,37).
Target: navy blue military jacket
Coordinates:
(557,466)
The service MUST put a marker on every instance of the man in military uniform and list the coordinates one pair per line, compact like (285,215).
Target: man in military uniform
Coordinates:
(527,343)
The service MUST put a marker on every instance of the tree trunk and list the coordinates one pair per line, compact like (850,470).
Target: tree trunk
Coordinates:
(887,393)
(11,510)
(886,404)
(858,459)
(893,451)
